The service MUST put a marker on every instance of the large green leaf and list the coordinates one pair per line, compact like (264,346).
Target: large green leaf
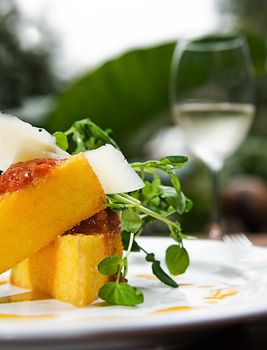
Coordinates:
(125,94)
(129,94)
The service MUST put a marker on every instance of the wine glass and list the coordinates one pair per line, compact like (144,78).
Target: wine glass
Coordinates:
(212,101)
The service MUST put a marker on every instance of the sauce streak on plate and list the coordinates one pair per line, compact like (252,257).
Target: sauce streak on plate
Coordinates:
(18,316)
(28,296)
(147,276)
(150,277)
(175,309)
(219,294)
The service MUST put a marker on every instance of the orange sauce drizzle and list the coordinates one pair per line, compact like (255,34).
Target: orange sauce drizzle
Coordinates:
(28,296)
(17,316)
(147,276)
(219,294)
(211,301)
(174,309)
(150,277)
(3,282)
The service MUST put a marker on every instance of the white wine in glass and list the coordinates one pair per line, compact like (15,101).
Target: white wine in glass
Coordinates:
(212,101)
(214,130)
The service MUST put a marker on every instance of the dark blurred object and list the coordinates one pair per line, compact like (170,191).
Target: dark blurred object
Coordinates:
(249,200)
(244,205)
(24,71)
(251,14)
(249,17)
(250,159)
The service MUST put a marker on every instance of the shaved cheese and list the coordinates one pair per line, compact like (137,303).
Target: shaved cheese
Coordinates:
(20,141)
(113,171)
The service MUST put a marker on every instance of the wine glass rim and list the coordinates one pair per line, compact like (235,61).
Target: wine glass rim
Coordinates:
(214,42)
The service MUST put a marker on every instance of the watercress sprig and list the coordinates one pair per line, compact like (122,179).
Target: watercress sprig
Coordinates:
(150,257)
(119,292)
(84,135)
(155,201)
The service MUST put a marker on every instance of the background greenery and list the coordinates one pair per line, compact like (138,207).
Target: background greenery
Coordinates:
(130,94)
(23,72)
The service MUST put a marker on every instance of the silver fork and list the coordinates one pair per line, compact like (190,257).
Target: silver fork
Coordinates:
(244,247)
(238,240)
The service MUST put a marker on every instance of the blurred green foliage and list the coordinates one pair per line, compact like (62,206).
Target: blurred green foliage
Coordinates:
(129,94)
(257,47)
(250,159)
(249,15)
(23,72)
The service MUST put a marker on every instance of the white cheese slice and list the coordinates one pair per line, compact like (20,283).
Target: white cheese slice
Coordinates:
(20,141)
(113,171)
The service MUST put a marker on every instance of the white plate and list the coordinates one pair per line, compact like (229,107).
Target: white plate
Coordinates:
(215,269)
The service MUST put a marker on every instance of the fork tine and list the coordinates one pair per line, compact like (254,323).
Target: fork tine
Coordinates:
(227,239)
(244,240)
(242,249)
(237,239)
(240,240)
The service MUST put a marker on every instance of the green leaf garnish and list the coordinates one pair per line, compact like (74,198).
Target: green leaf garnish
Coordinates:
(130,221)
(86,135)
(61,140)
(109,266)
(125,236)
(150,257)
(162,275)
(177,259)
(155,201)
(121,294)
(174,161)
(158,271)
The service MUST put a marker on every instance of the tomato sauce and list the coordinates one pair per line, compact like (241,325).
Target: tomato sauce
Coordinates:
(106,221)
(21,174)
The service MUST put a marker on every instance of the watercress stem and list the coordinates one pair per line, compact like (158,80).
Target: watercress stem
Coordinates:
(130,244)
(126,256)
(128,200)
(69,131)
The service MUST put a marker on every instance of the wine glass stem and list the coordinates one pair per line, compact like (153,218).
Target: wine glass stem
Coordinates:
(215,231)
(215,213)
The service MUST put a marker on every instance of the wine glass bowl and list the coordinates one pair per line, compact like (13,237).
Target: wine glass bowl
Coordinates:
(214,129)
(212,98)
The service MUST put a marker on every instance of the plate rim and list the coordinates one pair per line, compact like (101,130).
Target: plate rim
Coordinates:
(129,329)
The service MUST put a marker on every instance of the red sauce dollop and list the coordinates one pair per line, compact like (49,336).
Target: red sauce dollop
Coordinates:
(105,221)
(21,174)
